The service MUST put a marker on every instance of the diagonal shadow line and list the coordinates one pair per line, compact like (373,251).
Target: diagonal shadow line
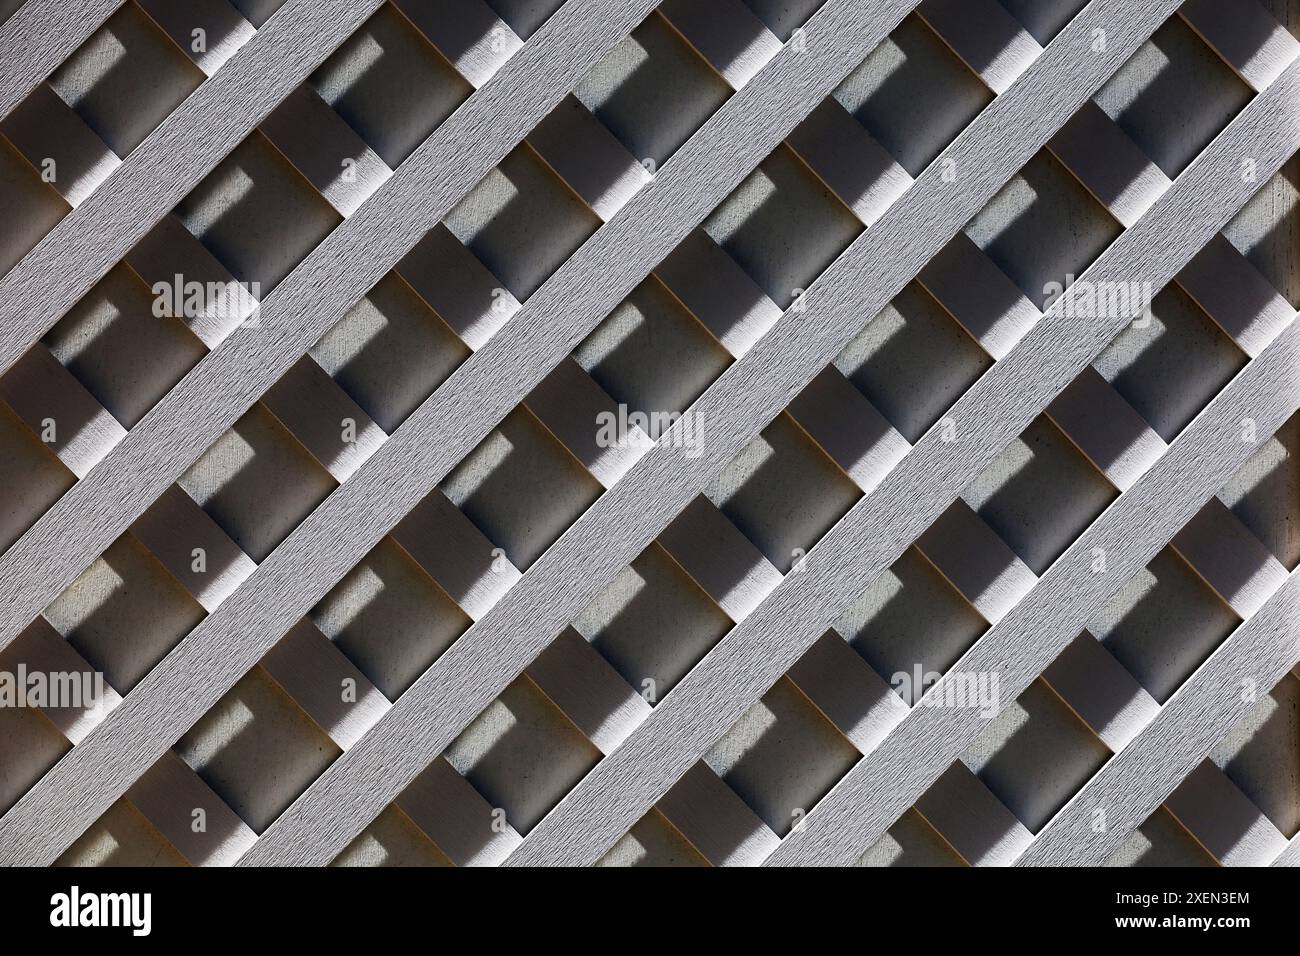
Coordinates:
(895,487)
(425,712)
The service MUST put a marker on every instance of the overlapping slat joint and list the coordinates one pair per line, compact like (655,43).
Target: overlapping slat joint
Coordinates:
(718,551)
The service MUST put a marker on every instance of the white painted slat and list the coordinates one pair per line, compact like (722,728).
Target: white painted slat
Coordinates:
(796,83)
(1235,295)
(747,399)
(1223,819)
(41,649)
(571,405)
(1245,35)
(716,821)
(1109,164)
(718,293)
(44,128)
(170,795)
(325,684)
(988,39)
(328,153)
(976,561)
(365,544)
(467,32)
(589,691)
(845,688)
(38,37)
(454,815)
(721,686)
(171,255)
(979,295)
(168,164)
(1291,855)
(1123,179)
(1097,687)
(174,528)
(224,29)
(721,560)
(474,573)
(1219,278)
(457,286)
(41,391)
(1131,531)
(1137,780)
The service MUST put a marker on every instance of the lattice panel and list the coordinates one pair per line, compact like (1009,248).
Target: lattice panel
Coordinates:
(601,432)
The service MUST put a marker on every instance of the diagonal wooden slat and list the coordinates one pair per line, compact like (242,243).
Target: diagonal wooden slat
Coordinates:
(169,793)
(166,166)
(38,37)
(875,531)
(222,21)
(1139,778)
(971,819)
(304,306)
(1130,532)
(747,396)
(466,406)
(1104,695)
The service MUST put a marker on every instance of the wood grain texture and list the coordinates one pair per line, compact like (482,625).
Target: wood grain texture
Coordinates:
(482,661)
(798,659)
